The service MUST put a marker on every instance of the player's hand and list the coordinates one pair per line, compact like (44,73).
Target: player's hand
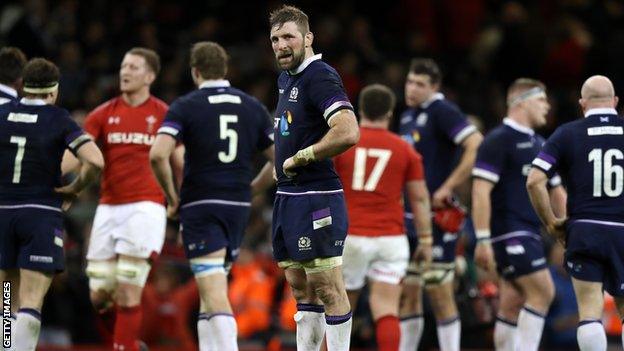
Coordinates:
(557,229)
(69,194)
(442,197)
(484,256)
(274,174)
(288,167)
(173,206)
(423,256)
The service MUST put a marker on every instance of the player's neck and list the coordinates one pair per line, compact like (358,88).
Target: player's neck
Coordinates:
(136,98)
(521,120)
(365,123)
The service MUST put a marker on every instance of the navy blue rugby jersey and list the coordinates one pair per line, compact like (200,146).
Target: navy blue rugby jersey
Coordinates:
(436,128)
(504,158)
(308,98)
(7,94)
(589,155)
(33,138)
(222,129)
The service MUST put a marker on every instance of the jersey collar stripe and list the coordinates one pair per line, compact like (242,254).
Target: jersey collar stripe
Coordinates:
(168,130)
(464,133)
(305,64)
(538,162)
(217,202)
(485,174)
(600,111)
(43,207)
(32,102)
(8,90)
(216,83)
(279,192)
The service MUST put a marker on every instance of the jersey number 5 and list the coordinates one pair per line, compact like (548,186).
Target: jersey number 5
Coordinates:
(607,176)
(231,135)
(19,156)
(359,169)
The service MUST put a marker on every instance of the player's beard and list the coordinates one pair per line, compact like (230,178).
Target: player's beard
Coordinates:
(297,59)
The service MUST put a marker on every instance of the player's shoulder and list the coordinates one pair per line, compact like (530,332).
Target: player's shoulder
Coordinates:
(443,105)
(320,69)
(158,103)
(104,108)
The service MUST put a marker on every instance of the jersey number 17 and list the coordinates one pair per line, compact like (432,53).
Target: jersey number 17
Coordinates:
(359,169)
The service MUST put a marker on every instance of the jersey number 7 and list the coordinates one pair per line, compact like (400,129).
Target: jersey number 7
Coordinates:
(19,156)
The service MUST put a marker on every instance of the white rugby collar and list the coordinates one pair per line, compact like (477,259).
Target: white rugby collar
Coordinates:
(7,89)
(215,83)
(434,97)
(32,102)
(305,64)
(517,126)
(600,111)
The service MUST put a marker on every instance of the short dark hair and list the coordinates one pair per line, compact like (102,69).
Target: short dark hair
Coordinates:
(521,85)
(376,101)
(210,59)
(12,62)
(427,67)
(288,13)
(151,58)
(40,73)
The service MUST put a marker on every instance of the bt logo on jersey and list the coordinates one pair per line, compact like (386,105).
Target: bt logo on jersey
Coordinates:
(130,138)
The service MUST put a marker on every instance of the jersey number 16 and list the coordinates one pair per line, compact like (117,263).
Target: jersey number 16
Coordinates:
(607,176)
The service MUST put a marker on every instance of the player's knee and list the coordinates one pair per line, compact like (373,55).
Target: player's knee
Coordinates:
(132,272)
(102,280)
(327,293)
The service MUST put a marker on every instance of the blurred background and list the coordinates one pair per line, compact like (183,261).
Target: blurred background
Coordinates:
(480,45)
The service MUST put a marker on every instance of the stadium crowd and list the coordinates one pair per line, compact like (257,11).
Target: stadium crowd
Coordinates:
(481,46)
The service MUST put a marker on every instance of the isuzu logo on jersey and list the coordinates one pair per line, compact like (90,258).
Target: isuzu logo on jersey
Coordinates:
(130,138)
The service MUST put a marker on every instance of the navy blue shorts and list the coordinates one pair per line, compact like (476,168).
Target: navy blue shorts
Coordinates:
(31,238)
(519,255)
(595,253)
(207,228)
(306,227)
(444,244)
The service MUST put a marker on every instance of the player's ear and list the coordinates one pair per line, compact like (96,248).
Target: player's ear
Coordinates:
(308,39)
(150,77)
(615,101)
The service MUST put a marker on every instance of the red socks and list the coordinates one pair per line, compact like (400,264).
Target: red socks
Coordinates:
(105,323)
(127,328)
(388,333)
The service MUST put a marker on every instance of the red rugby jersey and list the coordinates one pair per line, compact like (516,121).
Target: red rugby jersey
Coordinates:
(373,174)
(125,135)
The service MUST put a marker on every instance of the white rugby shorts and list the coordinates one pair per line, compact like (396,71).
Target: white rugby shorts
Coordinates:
(135,229)
(383,259)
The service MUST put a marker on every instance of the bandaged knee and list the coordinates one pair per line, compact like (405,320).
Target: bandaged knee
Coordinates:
(102,275)
(202,267)
(133,272)
(440,273)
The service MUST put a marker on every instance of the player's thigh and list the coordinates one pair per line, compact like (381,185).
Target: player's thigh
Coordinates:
(391,260)
(358,253)
(309,227)
(101,241)
(40,241)
(142,233)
